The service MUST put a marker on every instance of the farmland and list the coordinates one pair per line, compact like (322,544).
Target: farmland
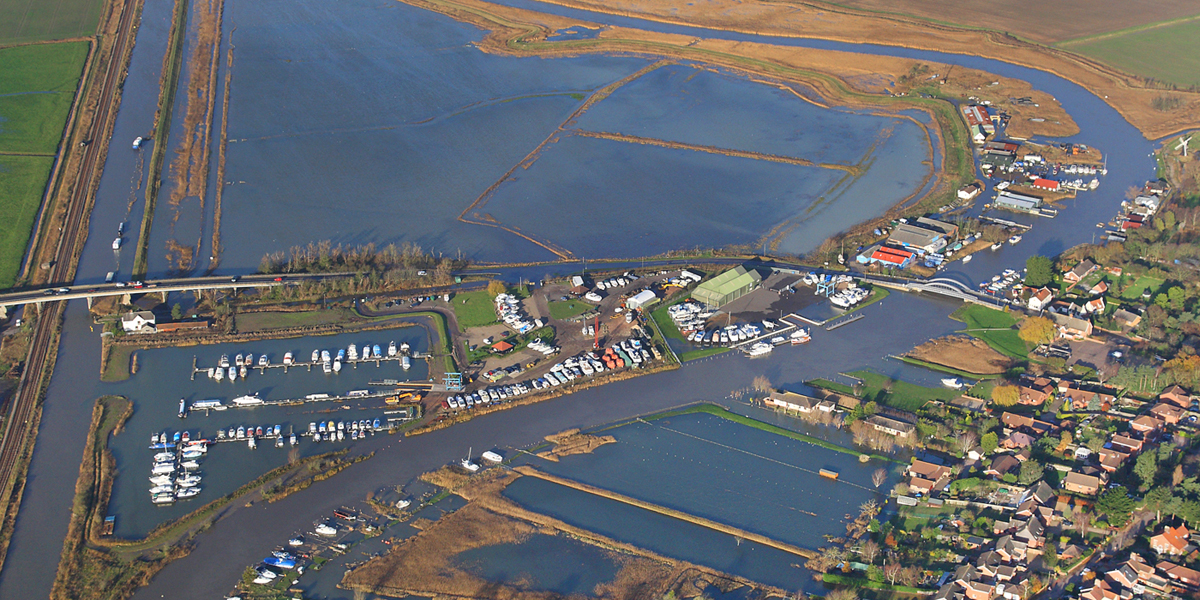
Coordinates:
(23,21)
(1143,51)
(1045,22)
(22,181)
(37,85)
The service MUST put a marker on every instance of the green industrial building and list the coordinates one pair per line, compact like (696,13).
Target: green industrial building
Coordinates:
(727,286)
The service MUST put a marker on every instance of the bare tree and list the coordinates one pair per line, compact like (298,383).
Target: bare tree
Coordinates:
(869,550)
(892,571)
(879,476)
(965,441)
(762,384)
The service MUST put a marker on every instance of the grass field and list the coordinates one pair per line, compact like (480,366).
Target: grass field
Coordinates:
(992,326)
(982,317)
(1169,53)
(901,395)
(474,309)
(37,85)
(565,309)
(22,181)
(265,321)
(1134,292)
(40,20)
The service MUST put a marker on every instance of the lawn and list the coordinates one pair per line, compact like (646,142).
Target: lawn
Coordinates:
(1169,53)
(265,321)
(38,20)
(22,182)
(1143,283)
(474,309)
(565,309)
(701,353)
(902,395)
(37,85)
(994,328)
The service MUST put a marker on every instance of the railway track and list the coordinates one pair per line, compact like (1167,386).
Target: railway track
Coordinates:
(24,403)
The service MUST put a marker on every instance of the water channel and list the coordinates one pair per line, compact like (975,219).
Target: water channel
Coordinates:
(245,535)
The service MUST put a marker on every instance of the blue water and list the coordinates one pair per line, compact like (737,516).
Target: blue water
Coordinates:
(542,562)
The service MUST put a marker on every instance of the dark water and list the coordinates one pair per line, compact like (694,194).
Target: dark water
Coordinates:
(542,562)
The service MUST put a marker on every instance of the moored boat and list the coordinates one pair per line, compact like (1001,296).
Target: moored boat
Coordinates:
(953,383)
(287,358)
(392,348)
(247,400)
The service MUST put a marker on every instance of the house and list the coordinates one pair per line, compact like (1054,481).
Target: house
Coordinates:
(1085,399)
(890,426)
(969,192)
(1099,288)
(1094,306)
(1126,318)
(1145,424)
(1125,443)
(1040,299)
(1035,392)
(1016,440)
(1023,422)
(1081,270)
(1172,540)
(1049,185)
(1003,465)
(1179,573)
(1079,483)
(792,401)
(1112,459)
(1071,327)
(1168,413)
(141,321)
(1177,396)
(928,470)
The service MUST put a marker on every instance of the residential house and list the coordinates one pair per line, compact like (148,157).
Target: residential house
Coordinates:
(1081,484)
(1172,540)
(1040,299)
(1003,465)
(891,426)
(1184,575)
(792,401)
(1081,399)
(969,192)
(1099,288)
(1126,319)
(141,321)
(1177,396)
(1081,270)
(1111,459)
(1145,424)
(1168,413)
(1026,423)
(1095,306)
(1035,392)
(1017,440)
(1072,327)
(1126,443)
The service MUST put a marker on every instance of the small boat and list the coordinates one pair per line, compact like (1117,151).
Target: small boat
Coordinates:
(154,438)
(161,480)
(188,481)
(376,351)
(260,580)
(341,435)
(231,432)
(279,442)
(276,430)
(331,426)
(247,400)
(191,454)
(354,435)
(403,504)
(287,358)
(162,489)
(219,374)
(467,464)
(187,492)
(241,433)
(953,383)
(316,355)
(392,349)
(404,347)
(263,361)
(190,464)
(242,371)
(259,432)
(967,258)
(375,425)
(117,244)
(233,373)
(185,436)
(293,440)
(491,457)
(249,360)
(239,360)
(1014,239)
(321,427)
(224,362)
(163,498)
(206,404)
(353,352)
(282,563)
(137,143)
(265,572)
(337,366)
(251,443)
(828,473)
(164,457)
(997,245)
(341,355)
(325,356)
(325,529)
(760,349)
(316,437)
(328,368)
(341,426)
(177,436)
(405,362)
(296,541)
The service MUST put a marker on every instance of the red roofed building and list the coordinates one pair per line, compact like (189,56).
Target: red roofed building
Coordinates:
(1173,540)
(502,346)
(894,257)
(1045,184)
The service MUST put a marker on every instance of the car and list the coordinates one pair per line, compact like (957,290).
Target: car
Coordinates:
(48,293)
(422,273)
(278,279)
(234,279)
(120,284)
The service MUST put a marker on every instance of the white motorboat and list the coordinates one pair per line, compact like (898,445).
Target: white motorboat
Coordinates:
(490,456)
(248,400)
(287,358)
(137,143)
(953,383)
(187,492)
(163,469)
(760,349)
(325,529)
(117,244)
(392,349)
(188,481)
(467,464)
(1014,239)
(161,480)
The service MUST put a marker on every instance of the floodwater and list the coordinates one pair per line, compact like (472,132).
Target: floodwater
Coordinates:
(770,482)
(432,122)
(542,562)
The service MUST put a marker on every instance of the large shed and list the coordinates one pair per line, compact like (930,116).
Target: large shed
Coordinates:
(727,286)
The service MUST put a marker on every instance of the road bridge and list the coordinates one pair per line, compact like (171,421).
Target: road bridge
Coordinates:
(163,286)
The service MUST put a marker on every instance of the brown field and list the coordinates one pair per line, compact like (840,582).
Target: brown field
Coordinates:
(571,442)
(1126,93)
(1047,22)
(425,564)
(962,353)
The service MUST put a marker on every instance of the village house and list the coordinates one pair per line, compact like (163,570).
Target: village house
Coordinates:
(1003,465)
(926,477)
(1040,299)
(141,321)
(1079,483)
(1112,459)
(1016,440)
(1168,413)
(890,426)
(1081,270)
(1035,392)
(1184,575)
(1177,396)
(1081,399)
(1098,289)
(1125,443)
(969,192)
(1026,423)
(792,401)
(1145,424)
(1126,319)
(1072,327)
(1095,306)
(1172,540)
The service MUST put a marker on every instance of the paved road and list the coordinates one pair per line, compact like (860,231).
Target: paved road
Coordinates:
(53,294)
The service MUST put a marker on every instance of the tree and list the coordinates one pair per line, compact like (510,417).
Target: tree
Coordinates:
(869,550)
(1031,471)
(988,442)
(892,571)
(1050,556)
(842,594)
(762,384)
(1146,468)
(1005,394)
(1038,330)
(176,312)
(965,441)
(1116,506)
(495,288)
(879,476)
(1038,271)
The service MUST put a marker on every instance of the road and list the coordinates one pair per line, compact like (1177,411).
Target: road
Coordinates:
(24,402)
(51,294)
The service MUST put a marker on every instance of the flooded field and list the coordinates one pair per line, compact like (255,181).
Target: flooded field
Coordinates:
(552,563)
(164,376)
